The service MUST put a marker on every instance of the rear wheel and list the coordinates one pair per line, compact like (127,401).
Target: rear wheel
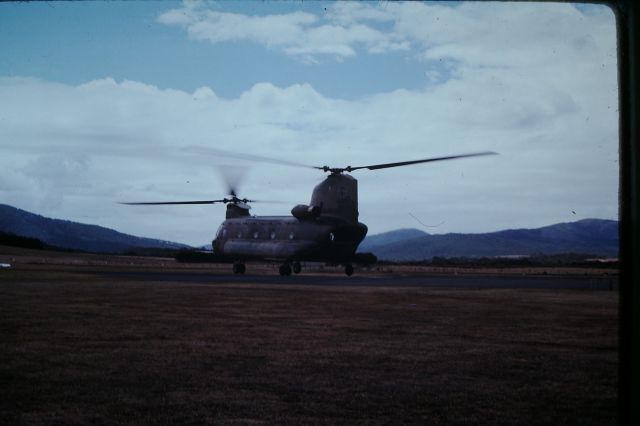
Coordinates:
(239,268)
(297,267)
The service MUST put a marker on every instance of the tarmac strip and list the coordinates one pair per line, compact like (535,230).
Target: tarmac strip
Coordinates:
(449,281)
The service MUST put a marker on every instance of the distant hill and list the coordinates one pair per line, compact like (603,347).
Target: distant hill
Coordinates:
(73,235)
(593,236)
(392,237)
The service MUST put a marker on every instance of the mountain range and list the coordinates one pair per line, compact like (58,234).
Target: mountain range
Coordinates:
(589,236)
(73,235)
(597,237)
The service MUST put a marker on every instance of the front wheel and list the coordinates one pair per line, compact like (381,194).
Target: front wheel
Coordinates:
(285,269)
(348,269)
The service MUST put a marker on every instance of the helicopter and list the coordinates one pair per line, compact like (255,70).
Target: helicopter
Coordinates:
(325,230)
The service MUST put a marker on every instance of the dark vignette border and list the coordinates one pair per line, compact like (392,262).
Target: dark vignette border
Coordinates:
(626,12)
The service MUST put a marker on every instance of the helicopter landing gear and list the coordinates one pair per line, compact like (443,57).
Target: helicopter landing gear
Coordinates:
(348,269)
(239,268)
(285,269)
(297,267)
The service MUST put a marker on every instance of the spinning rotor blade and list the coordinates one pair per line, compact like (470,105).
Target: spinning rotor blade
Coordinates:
(249,157)
(426,160)
(232,177)
(163,203)
(224,200)
(269,202)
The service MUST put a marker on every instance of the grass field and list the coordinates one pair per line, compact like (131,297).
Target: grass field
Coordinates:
(83,349)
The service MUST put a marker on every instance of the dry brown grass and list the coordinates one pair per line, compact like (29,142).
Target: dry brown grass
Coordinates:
(79,349)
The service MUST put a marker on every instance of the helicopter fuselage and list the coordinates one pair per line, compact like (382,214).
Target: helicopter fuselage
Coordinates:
(327,230)
(289,239)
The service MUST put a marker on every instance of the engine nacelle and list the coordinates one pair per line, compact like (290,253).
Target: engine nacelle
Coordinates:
(235,210)
(305,212)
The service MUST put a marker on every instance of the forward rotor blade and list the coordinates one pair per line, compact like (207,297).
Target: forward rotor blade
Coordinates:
(250,157)
(232,176)
(165,203)
(426,160)
(225,200)
(271,202)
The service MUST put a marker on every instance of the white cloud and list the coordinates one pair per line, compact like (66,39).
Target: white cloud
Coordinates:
(346,13)
(298,33)
(272,30)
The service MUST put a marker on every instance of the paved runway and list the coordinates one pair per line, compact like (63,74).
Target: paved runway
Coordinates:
(483,281)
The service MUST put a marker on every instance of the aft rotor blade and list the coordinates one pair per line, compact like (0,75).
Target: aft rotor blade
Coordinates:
(166,203)
(250,157)
(426,160)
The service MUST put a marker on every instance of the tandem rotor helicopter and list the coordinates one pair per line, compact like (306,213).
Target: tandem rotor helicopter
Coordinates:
(326,230)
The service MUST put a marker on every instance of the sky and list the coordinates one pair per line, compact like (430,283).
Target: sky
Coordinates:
(102,102)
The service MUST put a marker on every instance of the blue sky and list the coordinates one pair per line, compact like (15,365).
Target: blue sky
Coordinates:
(80,41)
(104,101)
